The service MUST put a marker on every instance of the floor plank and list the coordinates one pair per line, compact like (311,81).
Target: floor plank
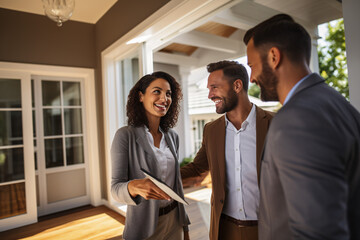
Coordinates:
(94,223)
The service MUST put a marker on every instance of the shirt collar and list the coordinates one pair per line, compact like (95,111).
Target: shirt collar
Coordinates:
(151,139)
(294,88)
(249,121)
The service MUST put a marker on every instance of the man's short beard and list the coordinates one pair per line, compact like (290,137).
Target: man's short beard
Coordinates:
(230,102)
(268,83)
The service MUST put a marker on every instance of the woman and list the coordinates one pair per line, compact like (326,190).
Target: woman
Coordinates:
(149,143)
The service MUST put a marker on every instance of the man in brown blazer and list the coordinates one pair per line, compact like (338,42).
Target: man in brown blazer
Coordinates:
(231,151)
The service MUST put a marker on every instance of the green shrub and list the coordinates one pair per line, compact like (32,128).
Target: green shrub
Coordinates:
(186,161)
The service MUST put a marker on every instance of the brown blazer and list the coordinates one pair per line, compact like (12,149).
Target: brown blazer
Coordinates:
(211,156)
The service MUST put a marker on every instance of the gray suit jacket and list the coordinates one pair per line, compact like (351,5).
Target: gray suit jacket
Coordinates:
(310,173)
(131,151)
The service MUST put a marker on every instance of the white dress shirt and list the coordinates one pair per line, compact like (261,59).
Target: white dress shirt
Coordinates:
(242,191)
(166,162)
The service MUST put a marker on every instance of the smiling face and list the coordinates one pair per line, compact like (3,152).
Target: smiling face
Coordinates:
(221,92)
(262,74)
(157,98)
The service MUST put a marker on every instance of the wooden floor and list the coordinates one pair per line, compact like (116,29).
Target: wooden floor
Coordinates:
(93,223)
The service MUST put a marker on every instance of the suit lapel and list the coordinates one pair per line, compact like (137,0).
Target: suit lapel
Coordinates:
(149,162)
(219,148)
(170,143)
(262,124)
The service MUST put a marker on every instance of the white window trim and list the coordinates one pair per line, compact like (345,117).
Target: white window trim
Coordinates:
(175,18)
(91,140)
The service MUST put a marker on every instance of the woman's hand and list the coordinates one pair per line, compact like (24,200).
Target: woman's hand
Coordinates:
(147,189)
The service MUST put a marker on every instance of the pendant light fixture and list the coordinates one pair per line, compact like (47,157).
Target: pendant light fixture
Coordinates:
(59,10)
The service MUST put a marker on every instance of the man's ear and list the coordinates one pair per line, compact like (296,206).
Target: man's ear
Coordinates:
(238,85)
(274,57)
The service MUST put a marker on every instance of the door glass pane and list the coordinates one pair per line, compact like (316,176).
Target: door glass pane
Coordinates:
(12,196)
(13,201)
(10,93)
(34,124)
(71,91)
(54,152)
(32,93)
(35,154)
(52,122)
(50,93)
(10,128)
(74,150)
(11,164)
(72,118)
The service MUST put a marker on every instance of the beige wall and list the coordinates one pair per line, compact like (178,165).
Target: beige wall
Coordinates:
(31,38)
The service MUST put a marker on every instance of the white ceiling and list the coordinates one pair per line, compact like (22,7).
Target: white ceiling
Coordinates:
(89,11)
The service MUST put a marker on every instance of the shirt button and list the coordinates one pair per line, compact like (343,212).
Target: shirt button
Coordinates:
(237,149)
(240,210)
(237,169)
(238,189)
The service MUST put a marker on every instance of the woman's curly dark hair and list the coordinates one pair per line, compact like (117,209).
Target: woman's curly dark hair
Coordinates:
(135,110)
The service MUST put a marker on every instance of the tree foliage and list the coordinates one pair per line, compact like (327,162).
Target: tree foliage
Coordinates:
(332,58)
(254,90)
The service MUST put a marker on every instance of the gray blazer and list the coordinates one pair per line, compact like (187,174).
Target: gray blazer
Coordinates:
(310,173)
(131,151)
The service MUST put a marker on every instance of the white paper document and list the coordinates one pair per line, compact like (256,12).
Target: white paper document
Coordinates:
(164,187)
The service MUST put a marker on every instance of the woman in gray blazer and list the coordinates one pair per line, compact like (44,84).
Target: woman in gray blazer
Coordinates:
(148,142)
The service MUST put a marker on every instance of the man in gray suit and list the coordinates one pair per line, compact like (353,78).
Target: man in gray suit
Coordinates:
(310,173)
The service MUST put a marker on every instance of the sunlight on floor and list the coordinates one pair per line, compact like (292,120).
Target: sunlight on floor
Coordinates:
(202,198)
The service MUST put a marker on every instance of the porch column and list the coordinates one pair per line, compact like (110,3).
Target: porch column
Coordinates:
(146,59)
(183,125)
(314,58)
(351,9)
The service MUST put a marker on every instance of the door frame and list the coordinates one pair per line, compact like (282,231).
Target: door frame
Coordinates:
(90,117)
(174,18)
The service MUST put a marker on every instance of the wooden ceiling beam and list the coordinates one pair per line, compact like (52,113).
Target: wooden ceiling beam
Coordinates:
(208,41)
(175,59)
(232,19)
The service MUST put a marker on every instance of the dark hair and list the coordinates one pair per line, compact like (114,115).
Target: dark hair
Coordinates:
(135,110)
(284,33)
(232,70)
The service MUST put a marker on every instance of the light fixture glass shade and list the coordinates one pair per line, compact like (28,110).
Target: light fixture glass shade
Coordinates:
(59,10)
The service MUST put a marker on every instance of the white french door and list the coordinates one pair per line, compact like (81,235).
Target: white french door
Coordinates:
(59,140)
(17,182)
(48,141)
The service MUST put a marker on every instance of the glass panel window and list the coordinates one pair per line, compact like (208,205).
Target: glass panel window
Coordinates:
(74,150)
(34,124)
(11,164)
(51,93)
(35,154)
(54,152)
(32,93)
(35,158)
(13,201)
(72,118)
(10,93)
(71,94)
(10,128)
(52,122)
